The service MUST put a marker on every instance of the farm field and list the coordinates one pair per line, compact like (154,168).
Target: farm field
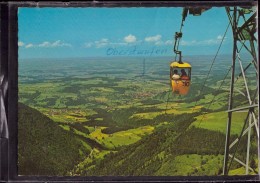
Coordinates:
(123,120)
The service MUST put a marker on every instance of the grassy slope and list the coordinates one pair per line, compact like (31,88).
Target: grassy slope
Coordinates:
(178,148)
(216,121)
(161,152)
(191,164)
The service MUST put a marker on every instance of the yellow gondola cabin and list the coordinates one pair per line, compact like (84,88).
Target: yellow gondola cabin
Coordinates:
(180,77)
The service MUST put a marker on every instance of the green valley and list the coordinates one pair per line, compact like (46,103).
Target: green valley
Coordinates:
(95,117)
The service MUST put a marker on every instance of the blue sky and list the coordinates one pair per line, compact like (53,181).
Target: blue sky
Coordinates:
(91,32)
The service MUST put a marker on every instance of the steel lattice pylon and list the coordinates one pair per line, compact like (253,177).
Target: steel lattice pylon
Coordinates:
(243,22)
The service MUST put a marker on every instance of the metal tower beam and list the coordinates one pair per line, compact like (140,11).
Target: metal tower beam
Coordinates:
(241,35)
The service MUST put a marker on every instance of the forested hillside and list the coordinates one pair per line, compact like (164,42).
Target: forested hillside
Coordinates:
(44,148)
(155,154)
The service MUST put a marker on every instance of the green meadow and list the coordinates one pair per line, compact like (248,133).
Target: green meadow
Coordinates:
(123,121)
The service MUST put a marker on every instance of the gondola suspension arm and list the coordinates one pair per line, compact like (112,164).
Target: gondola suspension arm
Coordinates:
(178,36)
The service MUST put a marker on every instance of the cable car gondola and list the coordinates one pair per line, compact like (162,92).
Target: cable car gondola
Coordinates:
(180,77)
(180,72)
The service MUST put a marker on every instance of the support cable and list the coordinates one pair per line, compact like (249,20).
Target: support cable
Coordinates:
(223,83)
(212,63)
(220,86)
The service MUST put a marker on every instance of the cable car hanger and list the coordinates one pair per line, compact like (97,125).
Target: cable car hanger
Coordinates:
(178,36)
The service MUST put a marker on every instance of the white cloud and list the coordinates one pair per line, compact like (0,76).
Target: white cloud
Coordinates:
(29,45)
(47,44)
(210,42)
(206,42)
(101,43)
(57,43)
(219,37)
(188,43)
(153,38)
(130,38)
(88,45)
(158,43)
(20,43)
(168,42)
(61,44)
(118,44)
